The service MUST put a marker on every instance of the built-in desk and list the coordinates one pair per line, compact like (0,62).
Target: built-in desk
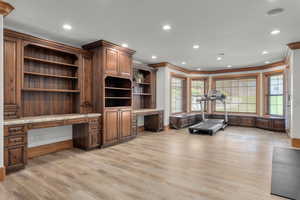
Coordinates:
(86,134)
(153,120)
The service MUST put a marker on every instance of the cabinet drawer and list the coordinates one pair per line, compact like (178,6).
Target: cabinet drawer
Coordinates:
(94,121)
(76,121)
(14,130)
(15,140)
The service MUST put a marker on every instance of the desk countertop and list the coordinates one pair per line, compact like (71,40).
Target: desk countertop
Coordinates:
(146,110)
(48,118)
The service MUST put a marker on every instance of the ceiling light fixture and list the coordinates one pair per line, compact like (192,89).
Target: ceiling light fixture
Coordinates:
(219,58)
(154,57)
(275,32)
(183,63)
(229,66)
(267,62)
(67,27)
(265,52)
(196,46)
(167,27)
(198,69)
(275,11)
(125,45)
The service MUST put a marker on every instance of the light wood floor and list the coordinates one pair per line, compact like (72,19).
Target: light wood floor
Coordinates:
(233,165)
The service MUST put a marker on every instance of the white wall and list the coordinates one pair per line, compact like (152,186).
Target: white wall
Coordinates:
(295,94)
(163,86)
(1,92)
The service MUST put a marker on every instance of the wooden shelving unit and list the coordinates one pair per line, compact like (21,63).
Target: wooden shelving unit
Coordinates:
(143,87)
(117,92)
(50,81)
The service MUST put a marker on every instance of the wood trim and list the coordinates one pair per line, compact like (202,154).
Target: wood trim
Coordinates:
(2,173)
(295,142)
(49,148)
(294,45)
(141,129)
(167,128)
(45,42)
(5,8)
(105,43)
(187,71)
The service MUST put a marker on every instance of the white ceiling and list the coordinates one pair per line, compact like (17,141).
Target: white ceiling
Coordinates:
(239,28)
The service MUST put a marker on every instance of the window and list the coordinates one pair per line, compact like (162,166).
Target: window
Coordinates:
(178,94)
(197,90)
(275,94)
(240,94)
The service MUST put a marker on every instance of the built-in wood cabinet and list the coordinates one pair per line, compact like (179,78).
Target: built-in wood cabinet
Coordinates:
(12,77)
(112,89)
(117,125)
(86,105)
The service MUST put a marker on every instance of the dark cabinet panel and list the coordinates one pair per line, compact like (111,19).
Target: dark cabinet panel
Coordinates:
(111,62)
(125,64)
(125,117)
(111,126)
(15,158)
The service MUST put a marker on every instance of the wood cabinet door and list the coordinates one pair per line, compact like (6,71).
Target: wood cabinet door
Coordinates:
(125,116)
(111,62)
(94,139)
(87,86)
(125,64)
(111,126)
(12,77)
(15,158)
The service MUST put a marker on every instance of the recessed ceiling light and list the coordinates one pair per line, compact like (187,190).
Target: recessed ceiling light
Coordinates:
(198,69)
(124,45)
(267,62)
(265,52)
(183,63)
(196,46)
(229,66)
(67,27)
(275,11)
(275,32)
(167,27)
(154,57)
(219,58)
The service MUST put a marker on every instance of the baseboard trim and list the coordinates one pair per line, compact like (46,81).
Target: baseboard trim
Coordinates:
(141,129)
(2,174)
(49,148)
(167,128)
(296,142)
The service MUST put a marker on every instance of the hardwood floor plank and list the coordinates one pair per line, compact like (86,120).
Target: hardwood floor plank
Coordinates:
(232,165)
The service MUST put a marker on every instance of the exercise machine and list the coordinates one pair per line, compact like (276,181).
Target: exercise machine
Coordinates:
(211,126)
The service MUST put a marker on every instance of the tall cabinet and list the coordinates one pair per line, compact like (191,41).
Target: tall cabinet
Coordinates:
(112,81)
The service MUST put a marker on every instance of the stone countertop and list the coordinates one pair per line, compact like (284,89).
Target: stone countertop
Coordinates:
(146,110)
(48,118)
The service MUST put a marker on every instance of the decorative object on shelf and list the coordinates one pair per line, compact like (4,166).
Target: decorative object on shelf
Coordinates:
(138,77)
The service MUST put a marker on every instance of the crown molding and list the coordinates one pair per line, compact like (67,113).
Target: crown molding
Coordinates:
(221,71)
(105,43)
(294,45)
(5,8)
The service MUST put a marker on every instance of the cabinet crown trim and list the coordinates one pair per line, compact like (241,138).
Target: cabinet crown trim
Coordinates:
(104,43)
(5,8)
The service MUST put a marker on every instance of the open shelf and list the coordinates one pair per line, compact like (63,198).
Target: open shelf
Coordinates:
(142,83)
(49,75)
(49,61)
(143,94)
(50,81)
(50,90)
(118,92)
(116,88)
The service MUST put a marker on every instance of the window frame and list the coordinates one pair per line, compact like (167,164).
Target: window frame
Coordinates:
(266,88)
(206,87)
(184,92)
(238,77)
